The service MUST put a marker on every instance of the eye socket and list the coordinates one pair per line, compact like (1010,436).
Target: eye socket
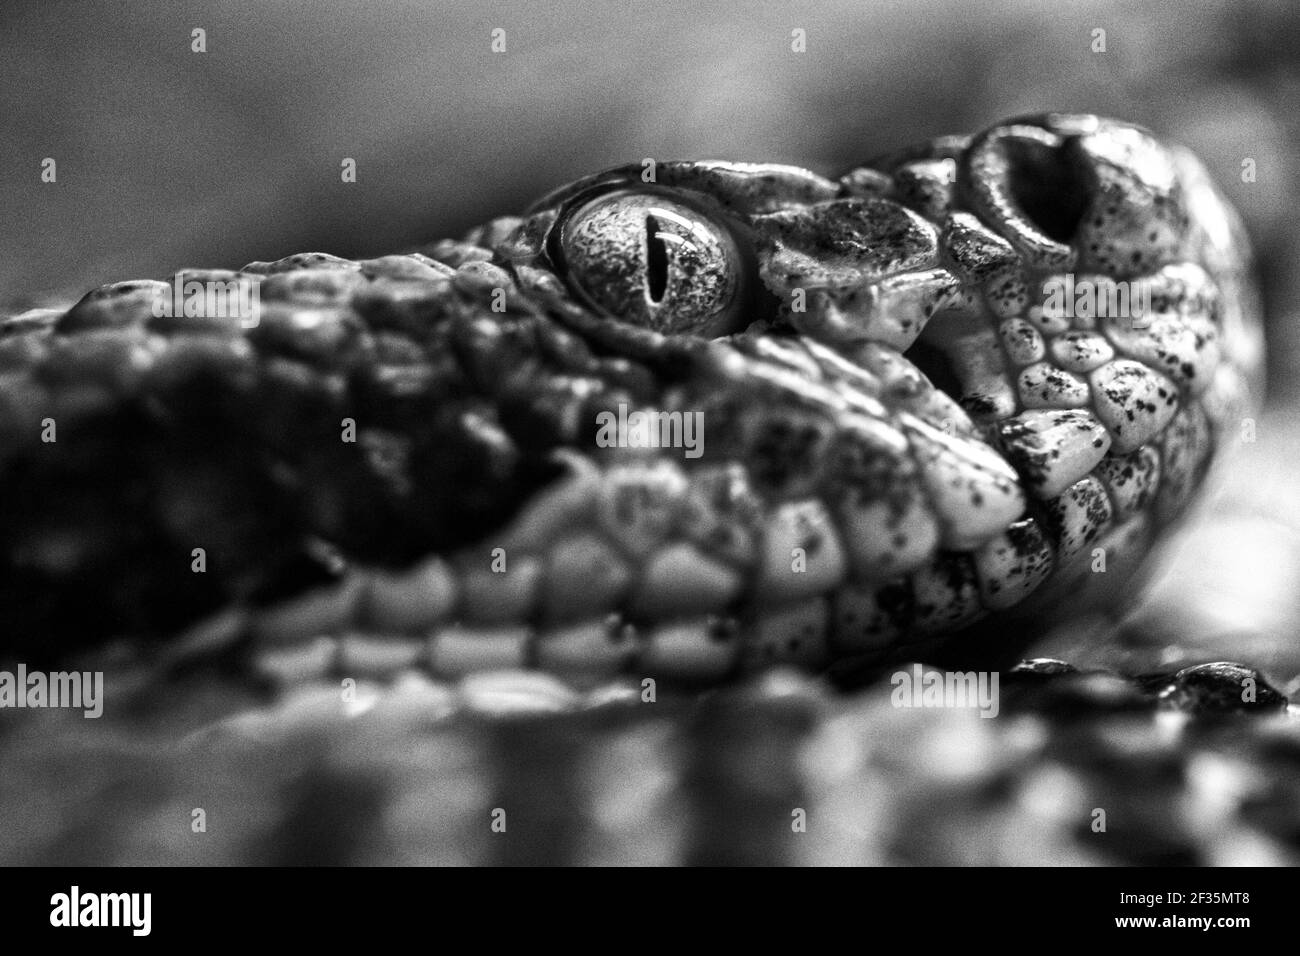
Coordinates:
(654,261)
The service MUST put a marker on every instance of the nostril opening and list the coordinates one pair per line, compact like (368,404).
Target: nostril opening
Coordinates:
(656,261)
(1049,185)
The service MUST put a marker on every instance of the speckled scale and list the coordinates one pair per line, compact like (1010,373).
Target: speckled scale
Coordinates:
(1053,449)
(1131,479)
(844,243)
(1013,564)
(1080,352)
(1043,385)
(1007,293)
(1183,348)
(973,490)
(783,447)
(1078,516)
(1133,402)
(1137,219)
(927,186)
(1022,343)
(977,252)
(946,594)
(873,484)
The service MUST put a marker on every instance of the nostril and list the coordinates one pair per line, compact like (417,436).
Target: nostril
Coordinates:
(1049,185)
(1031,185)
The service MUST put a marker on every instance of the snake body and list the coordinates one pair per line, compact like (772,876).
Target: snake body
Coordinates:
(395,481)
(398,466)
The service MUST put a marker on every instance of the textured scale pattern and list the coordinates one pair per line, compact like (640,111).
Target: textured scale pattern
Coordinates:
(843,506)
(885,393)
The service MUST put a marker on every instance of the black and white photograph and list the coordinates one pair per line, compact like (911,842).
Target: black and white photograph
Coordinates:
(554,433)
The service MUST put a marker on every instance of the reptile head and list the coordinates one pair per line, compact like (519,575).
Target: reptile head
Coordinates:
(959,371)
(693,416)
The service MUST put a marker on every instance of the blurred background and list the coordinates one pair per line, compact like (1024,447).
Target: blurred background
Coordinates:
(168,158)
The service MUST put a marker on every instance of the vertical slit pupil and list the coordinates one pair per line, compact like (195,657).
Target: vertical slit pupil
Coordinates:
(656,260)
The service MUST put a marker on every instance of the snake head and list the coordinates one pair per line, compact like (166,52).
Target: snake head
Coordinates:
(949,384)
(985,358)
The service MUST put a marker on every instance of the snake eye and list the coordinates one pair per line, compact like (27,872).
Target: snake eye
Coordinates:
(654,261)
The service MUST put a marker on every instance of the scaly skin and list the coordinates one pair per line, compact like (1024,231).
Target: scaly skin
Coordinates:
(802,336)
(843,506)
